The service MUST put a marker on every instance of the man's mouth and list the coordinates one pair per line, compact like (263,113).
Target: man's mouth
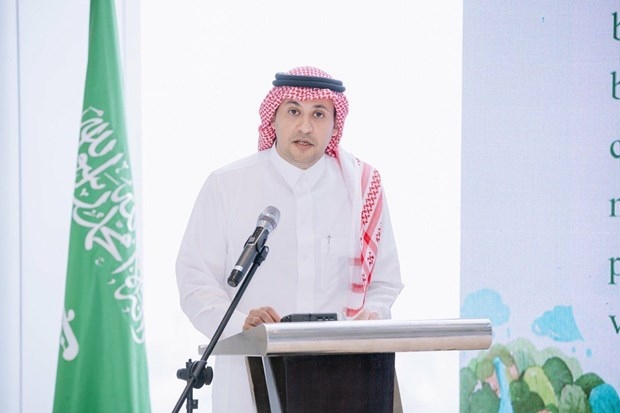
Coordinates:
(302,142)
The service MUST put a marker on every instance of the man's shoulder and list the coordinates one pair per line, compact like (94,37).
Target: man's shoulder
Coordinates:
(248,162)
(353,161)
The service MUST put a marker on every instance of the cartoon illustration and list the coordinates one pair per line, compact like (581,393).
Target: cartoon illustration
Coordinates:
(517,377)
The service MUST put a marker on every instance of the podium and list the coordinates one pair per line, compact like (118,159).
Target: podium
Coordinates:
(336,366)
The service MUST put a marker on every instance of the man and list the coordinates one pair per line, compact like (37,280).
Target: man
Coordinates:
(333,249)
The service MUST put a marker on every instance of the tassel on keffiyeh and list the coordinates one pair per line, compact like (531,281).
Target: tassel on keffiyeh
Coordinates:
(372,204)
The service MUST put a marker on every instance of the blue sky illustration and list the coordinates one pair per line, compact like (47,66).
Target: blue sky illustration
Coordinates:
(558,324)
(486,303)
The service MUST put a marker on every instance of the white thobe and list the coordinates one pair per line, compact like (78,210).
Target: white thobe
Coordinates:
(308,265)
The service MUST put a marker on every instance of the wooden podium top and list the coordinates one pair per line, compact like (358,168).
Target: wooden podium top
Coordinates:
(372,336)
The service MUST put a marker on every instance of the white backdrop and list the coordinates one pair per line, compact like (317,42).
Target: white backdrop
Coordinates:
(201,70)
(206,68)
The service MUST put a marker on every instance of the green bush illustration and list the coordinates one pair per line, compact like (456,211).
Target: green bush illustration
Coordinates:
(518,378)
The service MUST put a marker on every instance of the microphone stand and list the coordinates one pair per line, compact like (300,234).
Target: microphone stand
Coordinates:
(197,373)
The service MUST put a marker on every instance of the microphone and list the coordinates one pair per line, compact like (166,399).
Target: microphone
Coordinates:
(267,222)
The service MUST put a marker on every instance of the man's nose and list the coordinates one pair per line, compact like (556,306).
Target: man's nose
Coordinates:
(306,124)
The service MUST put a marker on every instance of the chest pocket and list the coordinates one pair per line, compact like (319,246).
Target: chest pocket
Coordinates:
(335,266)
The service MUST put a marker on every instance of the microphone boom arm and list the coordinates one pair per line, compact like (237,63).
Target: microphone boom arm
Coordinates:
(195,371)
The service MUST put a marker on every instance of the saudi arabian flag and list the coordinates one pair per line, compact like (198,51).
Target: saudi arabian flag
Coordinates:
(102,360)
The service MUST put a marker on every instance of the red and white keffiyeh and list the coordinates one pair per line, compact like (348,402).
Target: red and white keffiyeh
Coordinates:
(363,180)
(275,97)
(364,183)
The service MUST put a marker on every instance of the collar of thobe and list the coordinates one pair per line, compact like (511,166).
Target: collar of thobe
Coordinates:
(293,174)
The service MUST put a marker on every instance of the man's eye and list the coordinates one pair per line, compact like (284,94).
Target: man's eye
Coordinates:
(319,115)
(293,111)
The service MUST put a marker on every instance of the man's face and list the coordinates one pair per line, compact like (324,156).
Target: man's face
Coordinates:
(303,130)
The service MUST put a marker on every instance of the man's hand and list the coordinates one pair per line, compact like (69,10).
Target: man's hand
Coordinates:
(259,316)
(367,315)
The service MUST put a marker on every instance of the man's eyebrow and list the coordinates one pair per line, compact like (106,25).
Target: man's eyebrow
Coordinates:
(291,102)
(296,103)
(320,106)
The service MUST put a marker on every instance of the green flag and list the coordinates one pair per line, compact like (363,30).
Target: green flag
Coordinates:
(102,358)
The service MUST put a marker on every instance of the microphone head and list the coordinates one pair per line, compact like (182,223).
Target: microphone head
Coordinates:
(269,218)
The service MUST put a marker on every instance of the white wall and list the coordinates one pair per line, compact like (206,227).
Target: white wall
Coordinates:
(205,68)
(10,281)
